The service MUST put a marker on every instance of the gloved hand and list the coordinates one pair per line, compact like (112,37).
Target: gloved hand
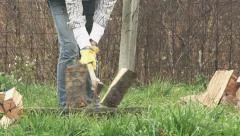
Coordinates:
(88,55)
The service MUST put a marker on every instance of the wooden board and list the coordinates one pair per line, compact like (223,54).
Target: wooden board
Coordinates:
(76,81)
(216,88)
(118,88)
(87,110)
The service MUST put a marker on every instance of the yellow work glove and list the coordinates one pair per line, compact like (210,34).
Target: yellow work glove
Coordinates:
(88,55)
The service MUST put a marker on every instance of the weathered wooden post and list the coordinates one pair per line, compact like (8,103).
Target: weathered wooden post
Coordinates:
(129,34)
(126,75)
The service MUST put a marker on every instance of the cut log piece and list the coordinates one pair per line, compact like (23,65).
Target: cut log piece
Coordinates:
(223,88)
(6,121)
(229,99)
(216,88)
(76,81)
(2,95)
(12,107)
(191,98)
(238,80)
(15,113)
(118,88)
(232,86)
(1,109)
(12,100)
(238,94)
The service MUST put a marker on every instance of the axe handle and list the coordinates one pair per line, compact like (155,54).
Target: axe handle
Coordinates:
(92,74)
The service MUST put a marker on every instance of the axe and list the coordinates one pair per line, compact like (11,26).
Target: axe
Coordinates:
(97,85)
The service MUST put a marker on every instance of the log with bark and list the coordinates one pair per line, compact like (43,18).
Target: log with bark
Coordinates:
(222,88)
(76,85)
(11,107)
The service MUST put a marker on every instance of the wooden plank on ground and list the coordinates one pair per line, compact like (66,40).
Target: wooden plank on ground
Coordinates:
(216,87)
(87,110)
(118,88)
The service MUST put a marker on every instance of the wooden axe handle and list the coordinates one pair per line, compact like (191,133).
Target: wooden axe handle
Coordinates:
(92,74)
(97,85)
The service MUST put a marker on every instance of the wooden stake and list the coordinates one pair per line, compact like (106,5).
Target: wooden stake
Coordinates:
(129,33)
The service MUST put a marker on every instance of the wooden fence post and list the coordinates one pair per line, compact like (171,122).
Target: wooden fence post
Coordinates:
(129,34)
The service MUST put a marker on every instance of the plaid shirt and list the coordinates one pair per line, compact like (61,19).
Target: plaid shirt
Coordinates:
(103,11)
(101,16)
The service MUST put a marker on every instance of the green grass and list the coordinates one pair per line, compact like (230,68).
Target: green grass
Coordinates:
(164,114)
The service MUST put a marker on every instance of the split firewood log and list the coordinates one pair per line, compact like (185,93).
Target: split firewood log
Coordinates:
(12,100)
(5,122)
(11,107)
(2,95)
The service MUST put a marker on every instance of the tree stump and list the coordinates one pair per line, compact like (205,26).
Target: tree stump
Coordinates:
(76,81)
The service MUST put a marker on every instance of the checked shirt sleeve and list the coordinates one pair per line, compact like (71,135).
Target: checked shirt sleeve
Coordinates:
(77,22)
(101,17)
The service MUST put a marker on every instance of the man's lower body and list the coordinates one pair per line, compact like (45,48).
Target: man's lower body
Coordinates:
(68,47)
